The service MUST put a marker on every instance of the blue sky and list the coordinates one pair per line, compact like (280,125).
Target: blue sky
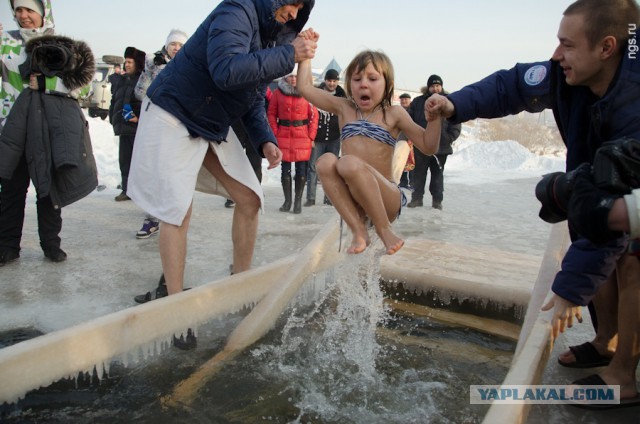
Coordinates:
(460,40)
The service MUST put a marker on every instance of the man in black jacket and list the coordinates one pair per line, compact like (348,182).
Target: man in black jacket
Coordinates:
(424,163)
(327,138)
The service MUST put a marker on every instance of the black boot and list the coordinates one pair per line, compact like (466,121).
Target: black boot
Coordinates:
(286,187)
(300,183)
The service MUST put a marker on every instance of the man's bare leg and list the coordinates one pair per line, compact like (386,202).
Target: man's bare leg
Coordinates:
(622,369)
(173,252)
(245,215)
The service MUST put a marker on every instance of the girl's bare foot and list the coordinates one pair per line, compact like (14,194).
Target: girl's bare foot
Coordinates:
(392,242)
(358,244)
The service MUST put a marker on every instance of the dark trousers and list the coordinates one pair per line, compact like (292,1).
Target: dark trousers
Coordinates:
(301,169)
(255,160)
(125,152)
(405,179)
(319,149)
(425,164)
(13,196)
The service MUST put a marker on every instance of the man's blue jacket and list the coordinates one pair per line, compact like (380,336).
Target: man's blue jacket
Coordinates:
(221,73)
(585,122)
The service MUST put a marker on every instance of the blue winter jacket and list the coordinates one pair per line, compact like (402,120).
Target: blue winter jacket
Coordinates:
(585,122)
(220,75)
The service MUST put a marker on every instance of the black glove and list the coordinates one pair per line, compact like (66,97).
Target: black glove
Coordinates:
(589,208)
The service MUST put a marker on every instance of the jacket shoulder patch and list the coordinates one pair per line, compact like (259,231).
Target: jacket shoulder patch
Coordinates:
(535,75)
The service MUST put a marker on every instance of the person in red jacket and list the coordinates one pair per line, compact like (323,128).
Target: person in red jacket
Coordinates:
(294,122)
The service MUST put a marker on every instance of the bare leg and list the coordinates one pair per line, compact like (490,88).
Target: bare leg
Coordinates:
(335,188)
(606,305)
(173,252)
(378,198)
(622,369)
(245,215)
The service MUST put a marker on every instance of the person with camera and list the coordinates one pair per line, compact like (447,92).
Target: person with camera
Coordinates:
(152,67)
(124,113)
(591,84)
(35,20)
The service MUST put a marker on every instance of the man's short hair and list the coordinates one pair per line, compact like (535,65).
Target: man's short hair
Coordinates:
(605,18)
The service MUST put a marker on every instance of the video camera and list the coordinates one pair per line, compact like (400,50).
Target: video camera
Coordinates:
(615,169)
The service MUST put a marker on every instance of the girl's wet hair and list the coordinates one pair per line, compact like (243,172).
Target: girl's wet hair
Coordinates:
(381,63)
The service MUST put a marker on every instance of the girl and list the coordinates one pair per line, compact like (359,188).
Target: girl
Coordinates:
(359,183)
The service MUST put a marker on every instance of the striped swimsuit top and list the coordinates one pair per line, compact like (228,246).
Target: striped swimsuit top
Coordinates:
(364,128)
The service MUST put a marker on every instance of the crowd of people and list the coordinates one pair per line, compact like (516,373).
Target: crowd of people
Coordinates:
(345,138)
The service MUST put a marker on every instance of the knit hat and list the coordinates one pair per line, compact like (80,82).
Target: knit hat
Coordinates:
(294,71)
(34,5)
(176,36)
(137,55)
(405,96)
(331,74)
(434,79)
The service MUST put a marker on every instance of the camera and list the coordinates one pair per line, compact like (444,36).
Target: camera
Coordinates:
(615,169)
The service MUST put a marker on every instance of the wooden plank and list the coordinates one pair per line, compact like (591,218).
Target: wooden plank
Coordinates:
(486,325)
(39,362)
(464,271)
(263,316)
(534,345)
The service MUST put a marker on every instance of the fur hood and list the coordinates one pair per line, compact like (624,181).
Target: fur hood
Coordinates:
(287,88)
(71,61)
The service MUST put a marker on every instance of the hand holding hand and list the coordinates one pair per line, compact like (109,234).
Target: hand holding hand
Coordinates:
(309,34)
(439,105)
(272,154)
(563,313)
(304,48)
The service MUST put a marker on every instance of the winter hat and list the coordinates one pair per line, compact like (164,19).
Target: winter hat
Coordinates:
(34,5)
(176,36)
(434,79)
(405,96)
(331,74)
(137,55)
(294,71)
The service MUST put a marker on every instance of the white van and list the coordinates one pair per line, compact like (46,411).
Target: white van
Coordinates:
(99,98)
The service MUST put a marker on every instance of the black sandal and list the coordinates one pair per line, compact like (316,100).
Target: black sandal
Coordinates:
(586,357)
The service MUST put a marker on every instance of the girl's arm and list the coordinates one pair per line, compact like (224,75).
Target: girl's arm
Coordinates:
(318,97)
(426,140)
